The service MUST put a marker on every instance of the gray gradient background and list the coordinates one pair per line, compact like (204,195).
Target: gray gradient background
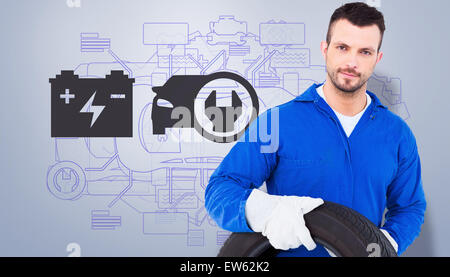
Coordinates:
(39,38)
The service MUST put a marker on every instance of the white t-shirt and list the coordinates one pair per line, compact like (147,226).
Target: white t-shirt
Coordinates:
(347,122)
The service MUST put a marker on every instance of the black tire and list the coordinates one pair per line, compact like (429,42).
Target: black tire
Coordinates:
(342,230)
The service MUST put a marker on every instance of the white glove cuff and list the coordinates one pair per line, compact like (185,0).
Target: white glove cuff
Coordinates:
(390,239)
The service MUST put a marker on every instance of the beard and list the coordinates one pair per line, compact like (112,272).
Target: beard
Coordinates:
(346,85)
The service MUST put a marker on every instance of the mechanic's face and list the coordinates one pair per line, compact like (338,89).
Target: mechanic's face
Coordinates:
(351,55)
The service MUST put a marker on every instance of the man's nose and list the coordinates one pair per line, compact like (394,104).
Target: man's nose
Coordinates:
(352,61)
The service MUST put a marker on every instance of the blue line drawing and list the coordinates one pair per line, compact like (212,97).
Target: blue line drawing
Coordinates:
(282,33)
(165,223)
(196,238)
(227,30)
(130,73)
(221,237)
(102,220)
(91,42)
(291,58)
(165,33)
(162,177)
(66,180)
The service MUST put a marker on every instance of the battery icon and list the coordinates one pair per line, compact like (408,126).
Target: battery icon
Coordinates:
(91,107)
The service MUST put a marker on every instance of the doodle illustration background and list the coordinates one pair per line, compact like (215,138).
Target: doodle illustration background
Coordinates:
(143,195)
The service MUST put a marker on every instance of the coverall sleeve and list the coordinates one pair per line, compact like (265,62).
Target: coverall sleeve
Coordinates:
(244,168)
(405,196)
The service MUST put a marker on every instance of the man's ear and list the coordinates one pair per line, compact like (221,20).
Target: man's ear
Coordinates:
(380,55)
(323,49)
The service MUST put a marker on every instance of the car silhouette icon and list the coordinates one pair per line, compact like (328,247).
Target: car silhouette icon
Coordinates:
(182,90)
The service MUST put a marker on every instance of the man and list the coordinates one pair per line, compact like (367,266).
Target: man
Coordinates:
(337,142)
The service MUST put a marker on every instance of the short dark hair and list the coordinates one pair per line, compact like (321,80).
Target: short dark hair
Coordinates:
(359,14)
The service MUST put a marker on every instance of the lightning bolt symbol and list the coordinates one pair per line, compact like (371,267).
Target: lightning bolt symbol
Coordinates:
(94,110)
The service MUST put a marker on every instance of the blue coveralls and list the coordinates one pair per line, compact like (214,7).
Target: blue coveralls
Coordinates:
(377,167)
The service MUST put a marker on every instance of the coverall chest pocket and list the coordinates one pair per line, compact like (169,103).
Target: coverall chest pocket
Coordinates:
(300,163)
(304,177)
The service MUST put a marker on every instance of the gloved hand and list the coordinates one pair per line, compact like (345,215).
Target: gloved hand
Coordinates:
(280,218)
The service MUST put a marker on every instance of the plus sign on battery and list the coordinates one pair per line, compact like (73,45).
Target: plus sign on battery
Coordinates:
(67,95)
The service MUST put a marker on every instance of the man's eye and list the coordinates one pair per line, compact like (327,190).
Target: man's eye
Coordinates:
(367,53)
(340,47)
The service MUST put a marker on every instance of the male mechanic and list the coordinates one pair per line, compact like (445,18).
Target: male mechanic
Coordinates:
(337,142)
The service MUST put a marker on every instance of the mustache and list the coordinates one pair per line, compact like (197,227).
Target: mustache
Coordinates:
(349,71)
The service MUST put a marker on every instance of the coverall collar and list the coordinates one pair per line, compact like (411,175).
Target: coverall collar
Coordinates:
(311,95)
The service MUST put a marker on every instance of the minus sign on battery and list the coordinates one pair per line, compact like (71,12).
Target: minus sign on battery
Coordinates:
(117,96)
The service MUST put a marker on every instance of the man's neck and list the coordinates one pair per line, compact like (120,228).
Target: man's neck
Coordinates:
(345,103)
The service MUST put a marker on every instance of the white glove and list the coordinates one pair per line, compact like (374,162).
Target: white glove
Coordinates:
(280,218)
(390,239)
